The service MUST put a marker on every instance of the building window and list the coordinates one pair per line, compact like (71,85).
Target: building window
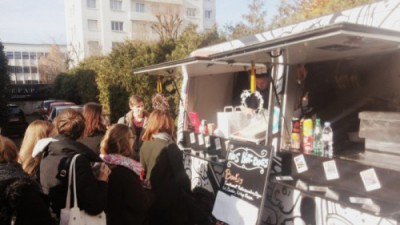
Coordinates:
(10,55)
(32,55)
(18,69)
(34,69)
(117,26)
(17,55)
(41,54)
(191,12)
(11,69)
(25,55)
(91,4)
(92,25)
(207,14)
(26,69)
(116,5)
(94,47)
(139,7)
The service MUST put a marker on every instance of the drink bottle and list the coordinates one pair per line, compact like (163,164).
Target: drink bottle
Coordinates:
(295,135)
(307,136)
(327,139)
(203,127)
(317,139)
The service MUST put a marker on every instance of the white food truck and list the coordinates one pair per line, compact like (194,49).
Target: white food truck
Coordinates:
(343,68)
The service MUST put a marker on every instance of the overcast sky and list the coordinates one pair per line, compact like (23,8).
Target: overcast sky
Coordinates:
(42,21)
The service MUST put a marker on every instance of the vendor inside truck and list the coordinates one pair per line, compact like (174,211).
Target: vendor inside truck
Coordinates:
(263,80)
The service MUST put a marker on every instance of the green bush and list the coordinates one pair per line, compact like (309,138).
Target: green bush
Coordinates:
(79,87)
(115,82)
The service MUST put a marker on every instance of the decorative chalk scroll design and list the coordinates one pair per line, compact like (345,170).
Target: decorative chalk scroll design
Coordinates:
(248,159)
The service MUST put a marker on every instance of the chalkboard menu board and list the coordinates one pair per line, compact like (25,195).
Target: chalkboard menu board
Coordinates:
(242,191)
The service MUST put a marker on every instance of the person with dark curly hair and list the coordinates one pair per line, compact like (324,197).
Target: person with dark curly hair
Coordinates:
(91,189)
(21,200)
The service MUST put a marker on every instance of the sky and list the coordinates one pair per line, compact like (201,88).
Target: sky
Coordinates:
(42,21)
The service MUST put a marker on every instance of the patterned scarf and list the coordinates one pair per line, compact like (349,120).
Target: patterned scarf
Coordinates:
(120,160)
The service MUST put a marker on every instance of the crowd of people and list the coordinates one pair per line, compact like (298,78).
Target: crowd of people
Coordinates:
(132,170)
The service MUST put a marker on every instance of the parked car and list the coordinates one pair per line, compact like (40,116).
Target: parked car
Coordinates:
(58,109)
(16,121)
(44,106)
(55,104)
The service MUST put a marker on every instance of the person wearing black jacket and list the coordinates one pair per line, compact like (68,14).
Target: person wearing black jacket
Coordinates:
(21,200)
(128,202)
(54,167)
(162,160)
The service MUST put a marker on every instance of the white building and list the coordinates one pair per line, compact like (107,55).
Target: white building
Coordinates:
(23,61)
(95,26)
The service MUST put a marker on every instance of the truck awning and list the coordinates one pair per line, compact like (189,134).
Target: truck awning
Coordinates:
(196,66)
(336,41)
(330,42)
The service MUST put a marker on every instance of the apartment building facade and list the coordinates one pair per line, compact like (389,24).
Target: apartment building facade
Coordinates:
(95,26)
(23,61)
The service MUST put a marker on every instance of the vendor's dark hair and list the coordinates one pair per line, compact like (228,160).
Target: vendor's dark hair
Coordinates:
(70,123)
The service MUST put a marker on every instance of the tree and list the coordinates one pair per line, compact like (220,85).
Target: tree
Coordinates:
(4,81)
(255,19)
(72,55)
(169,22)
(113,73)
(66,87)
(114,76)
(52,64)
(79,83)
(191,40)
(253,22)
(298,11)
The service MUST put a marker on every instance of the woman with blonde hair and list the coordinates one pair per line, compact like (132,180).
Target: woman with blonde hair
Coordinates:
(21,201)
(36,130)
(128,202)
(94,126)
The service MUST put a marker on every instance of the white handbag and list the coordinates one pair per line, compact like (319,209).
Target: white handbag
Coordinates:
(75,216)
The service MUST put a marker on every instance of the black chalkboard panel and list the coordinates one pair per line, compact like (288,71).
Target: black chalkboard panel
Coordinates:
(240,199)
(246,171)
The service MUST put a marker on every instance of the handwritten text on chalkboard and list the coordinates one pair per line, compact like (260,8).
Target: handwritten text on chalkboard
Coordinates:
(248,159)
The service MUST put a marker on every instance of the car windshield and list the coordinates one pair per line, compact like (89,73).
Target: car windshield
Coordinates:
(13,110)
(46,104)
